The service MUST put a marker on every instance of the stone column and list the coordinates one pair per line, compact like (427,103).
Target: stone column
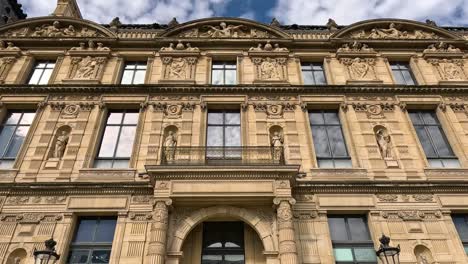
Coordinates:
(158,234)
(287,241)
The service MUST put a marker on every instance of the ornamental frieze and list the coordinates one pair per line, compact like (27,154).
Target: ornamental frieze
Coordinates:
(53,29)
(224,30)
(449,69)
(411,215)
(393,31)
(374,110)
(405,198)
(30,218)
(20,200)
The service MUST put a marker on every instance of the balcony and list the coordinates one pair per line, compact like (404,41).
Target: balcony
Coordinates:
(222,156)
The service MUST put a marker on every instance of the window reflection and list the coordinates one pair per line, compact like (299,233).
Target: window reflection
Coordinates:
(224,73)
(134,73)
(313,73)
(117,140)
(41,73)
(402,73)
(13,132)
(223,243)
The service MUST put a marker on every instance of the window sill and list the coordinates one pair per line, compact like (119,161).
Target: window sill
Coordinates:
(106,175)
(338,174)
(447,174)
(8,175)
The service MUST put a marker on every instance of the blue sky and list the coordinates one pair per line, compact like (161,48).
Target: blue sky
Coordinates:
(305,12)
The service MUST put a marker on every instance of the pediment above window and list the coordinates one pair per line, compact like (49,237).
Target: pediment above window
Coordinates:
(394,29)
(224,28)
(55,27)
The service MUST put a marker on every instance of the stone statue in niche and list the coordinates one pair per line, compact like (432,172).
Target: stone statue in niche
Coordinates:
(423,260)
(384,142)
(61,145)
(277,142)
(170,143)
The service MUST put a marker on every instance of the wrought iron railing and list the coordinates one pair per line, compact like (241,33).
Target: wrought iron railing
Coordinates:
(222,156)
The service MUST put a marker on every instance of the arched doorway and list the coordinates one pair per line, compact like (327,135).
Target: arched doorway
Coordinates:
(218,241)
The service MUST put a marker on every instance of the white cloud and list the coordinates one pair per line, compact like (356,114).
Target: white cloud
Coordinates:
(454,12)
(134,11)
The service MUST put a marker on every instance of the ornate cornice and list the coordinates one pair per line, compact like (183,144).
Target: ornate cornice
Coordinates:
(232,89)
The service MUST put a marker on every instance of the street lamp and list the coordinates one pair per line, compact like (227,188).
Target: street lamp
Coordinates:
(47,256)
(386,253)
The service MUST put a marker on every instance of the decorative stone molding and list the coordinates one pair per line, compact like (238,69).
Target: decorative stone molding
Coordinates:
(339,174)
(22,200)
(268,48)
(86,70)
(270,69)
(31,218)
(374,110)
(360,70)
(405,198)
(137,217)
(90,46)
(393,31)
(449,70)
(6,63)
(53,29)
(355,49)
(411,215)
(179,69)
(179,47)
(442,50)
(142,199)
(224,30)
(273,110)
(305,215)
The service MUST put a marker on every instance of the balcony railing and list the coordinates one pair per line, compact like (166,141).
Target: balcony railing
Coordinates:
(222,156)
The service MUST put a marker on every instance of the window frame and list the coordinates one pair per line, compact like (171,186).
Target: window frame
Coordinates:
(16,126)
(431,140)
(35,67)
(91,246)
(400,70)
(120,125)
(312,70)
(331,158)
(134,71)
(350,243)
(463,241)
(224,70)
(226,153)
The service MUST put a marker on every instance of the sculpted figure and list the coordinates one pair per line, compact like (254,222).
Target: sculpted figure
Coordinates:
(277,145)
(70,31)
(61,145)
(224,31)
(383,140)
(54,30)
(258,48)
(177,68)
(452,48)
(11,46)
(391,32)
(423,260)
(190,48)
(169,145)
(101,47)
(170,48)
(359,69)
(86,68)
(452,72)
(40,31)
(269,70)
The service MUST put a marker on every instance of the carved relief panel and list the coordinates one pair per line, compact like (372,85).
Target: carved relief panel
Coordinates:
(179,63)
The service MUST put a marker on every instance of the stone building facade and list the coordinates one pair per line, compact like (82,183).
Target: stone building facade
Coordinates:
(225,140)
(10,11)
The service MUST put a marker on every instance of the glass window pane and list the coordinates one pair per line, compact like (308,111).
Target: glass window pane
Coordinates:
(425,141)
(320,77)
(78,256)
(316,118)
(326,163)
(337,229)
(451,163)
(141,66)
(41,65)
(336,139)
(398,77)
(131,118)
(461,225)
(317,67)
(232,118)
(230,77)
(439,141)
(102,164)
(127,77)
(125,144)
(415,118)
(320,138)
(306,66)
(105,230)
(234,259)
(218,65)
(27,118)
(343,254)
(217,77)
(430,118)
(130,66)
(343,163)
(365,254)
(408,77)
(215,118)
(466,249)
(215,136)
(109,141)
(85,231)
(121,164)
(115,118)
(5,136)
(435,163)
(100,256)
(46,76)
(231,65)
(139,77)
(331,118)
(13,118)
(35,76)
(17,141)
(233,137)
(358,229)
(308,77)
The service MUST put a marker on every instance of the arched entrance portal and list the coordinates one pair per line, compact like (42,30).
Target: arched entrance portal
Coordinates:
(223,242)
(195,232)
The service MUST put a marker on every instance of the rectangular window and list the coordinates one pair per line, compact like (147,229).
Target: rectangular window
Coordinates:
(329,141)
(351,240)
(117,140)
(92,242)
(223,134)
(438,152)
(14,129)
(402,73)
(42,72)
(134,73)
(313,73)
(461,223)
(223,243)
(224,73)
